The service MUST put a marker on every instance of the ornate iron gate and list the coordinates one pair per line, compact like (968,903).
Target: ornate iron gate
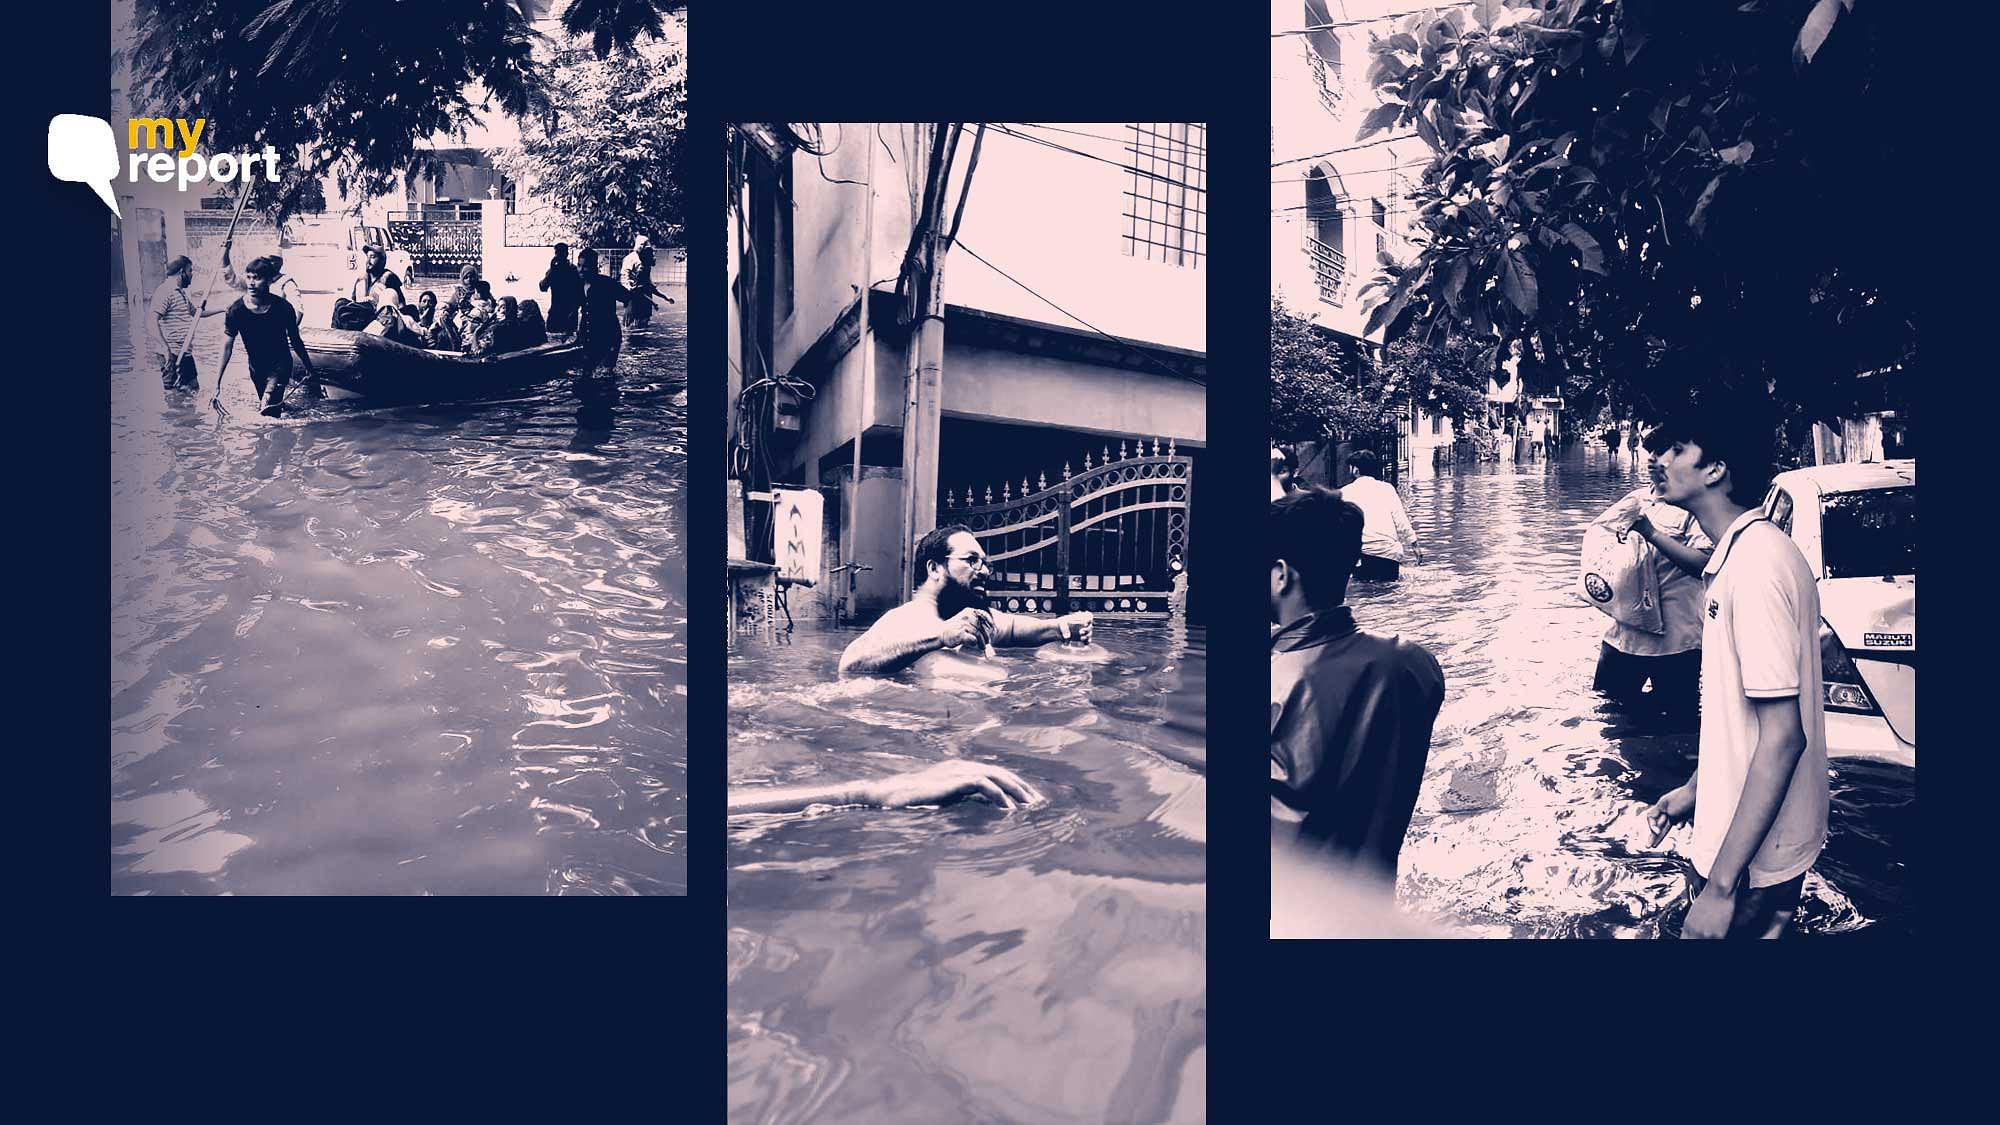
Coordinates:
(1111,539)
(438,247)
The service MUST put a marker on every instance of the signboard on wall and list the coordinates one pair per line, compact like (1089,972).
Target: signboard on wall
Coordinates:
(798,513)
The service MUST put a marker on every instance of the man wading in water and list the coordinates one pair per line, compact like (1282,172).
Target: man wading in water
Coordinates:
(945,611)
(269,326)
(1759,794)
(1351,712)
(597,323)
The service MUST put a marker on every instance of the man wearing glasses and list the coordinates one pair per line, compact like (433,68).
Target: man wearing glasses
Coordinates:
(948,610)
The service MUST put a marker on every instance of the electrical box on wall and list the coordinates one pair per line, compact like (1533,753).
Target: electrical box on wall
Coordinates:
(785,409)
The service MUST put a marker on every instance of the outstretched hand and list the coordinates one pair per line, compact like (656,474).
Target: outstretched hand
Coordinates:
(1673,807)
(958,777)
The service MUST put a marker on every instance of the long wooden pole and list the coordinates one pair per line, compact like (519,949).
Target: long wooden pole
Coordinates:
(187,342)
(227,240)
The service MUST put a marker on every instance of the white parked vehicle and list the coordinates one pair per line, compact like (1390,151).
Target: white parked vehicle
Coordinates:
(1856,524)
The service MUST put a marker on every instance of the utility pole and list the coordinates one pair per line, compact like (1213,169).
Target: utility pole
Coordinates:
(922,289)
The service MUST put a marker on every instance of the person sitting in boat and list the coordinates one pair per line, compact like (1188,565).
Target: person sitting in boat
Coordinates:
(565,289)
(480,327)
(390,325)
(533,329)
(508,331)
(427,307)
(945,611)
(377,284)
(461,294)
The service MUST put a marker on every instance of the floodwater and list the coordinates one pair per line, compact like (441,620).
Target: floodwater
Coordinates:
(420,650)
(1531,819)
(965,963)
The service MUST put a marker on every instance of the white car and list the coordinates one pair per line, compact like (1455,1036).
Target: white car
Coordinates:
(1856,524)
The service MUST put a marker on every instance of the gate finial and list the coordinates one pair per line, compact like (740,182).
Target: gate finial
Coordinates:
(1006,491)
(1066,473)
(1122,455)
(1170,447)
(989,494)
(1024,486)
(1041,481)
(948,501)
(1107,453)
(968,496)
(1086,460)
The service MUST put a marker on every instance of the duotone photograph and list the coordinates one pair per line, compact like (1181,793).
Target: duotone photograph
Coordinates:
(398,469)
(966,426)
(1593,476)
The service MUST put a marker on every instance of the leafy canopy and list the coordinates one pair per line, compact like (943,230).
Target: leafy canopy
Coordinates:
(1660,200)
(352,87)
(607,153)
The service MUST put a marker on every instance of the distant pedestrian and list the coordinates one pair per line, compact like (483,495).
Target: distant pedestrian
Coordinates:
(173,316)
(1759,795)
(1611,439)
(1387,537)
(1351,712)
(565,290)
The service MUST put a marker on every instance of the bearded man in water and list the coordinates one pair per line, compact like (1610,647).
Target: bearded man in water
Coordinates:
(948,611)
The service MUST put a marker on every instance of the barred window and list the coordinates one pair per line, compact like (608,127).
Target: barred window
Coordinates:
(1166,207)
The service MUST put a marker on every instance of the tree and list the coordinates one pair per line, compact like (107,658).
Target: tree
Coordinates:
(351,87)
(607,153)
(618,23)
(1658,200)
(1326,388)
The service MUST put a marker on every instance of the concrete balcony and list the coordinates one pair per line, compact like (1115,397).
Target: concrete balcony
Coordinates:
(1326,79)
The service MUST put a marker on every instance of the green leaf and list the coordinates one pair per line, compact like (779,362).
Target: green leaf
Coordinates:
(1812,35)
(1380,118)
(1517,281)
(1486,11)
(1403,42)
(1587,249)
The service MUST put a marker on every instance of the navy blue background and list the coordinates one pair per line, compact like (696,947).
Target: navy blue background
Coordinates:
(204,1006)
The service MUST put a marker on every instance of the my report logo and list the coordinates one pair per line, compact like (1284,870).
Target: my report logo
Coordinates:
(84,150)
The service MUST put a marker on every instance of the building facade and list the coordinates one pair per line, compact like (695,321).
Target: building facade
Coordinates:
(1338,203)
(1073,333)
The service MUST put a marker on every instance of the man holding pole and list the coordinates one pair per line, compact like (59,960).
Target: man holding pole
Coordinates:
(173,322)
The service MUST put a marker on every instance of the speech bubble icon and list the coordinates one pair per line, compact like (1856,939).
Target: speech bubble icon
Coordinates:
(84,150)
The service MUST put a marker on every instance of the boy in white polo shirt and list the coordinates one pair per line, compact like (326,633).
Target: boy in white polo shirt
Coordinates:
(1759,794)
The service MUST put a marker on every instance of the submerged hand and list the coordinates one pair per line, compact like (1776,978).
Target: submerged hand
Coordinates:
(955,778)
(1076,626)
(967,627)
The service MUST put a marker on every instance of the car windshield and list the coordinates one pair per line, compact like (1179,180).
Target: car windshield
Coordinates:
(1870,534)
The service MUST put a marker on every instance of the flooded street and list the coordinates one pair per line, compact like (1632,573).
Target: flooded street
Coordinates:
(964,963)
(412,650)
(1531,819)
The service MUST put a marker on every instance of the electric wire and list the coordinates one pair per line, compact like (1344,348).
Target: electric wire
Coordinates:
(1119,341)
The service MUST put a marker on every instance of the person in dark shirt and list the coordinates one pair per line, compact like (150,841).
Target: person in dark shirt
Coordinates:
(597,322)
(1351,712)
(269,327)
(565,290)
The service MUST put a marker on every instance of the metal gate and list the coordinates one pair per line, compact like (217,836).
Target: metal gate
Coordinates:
(438,247)
(1111,539)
